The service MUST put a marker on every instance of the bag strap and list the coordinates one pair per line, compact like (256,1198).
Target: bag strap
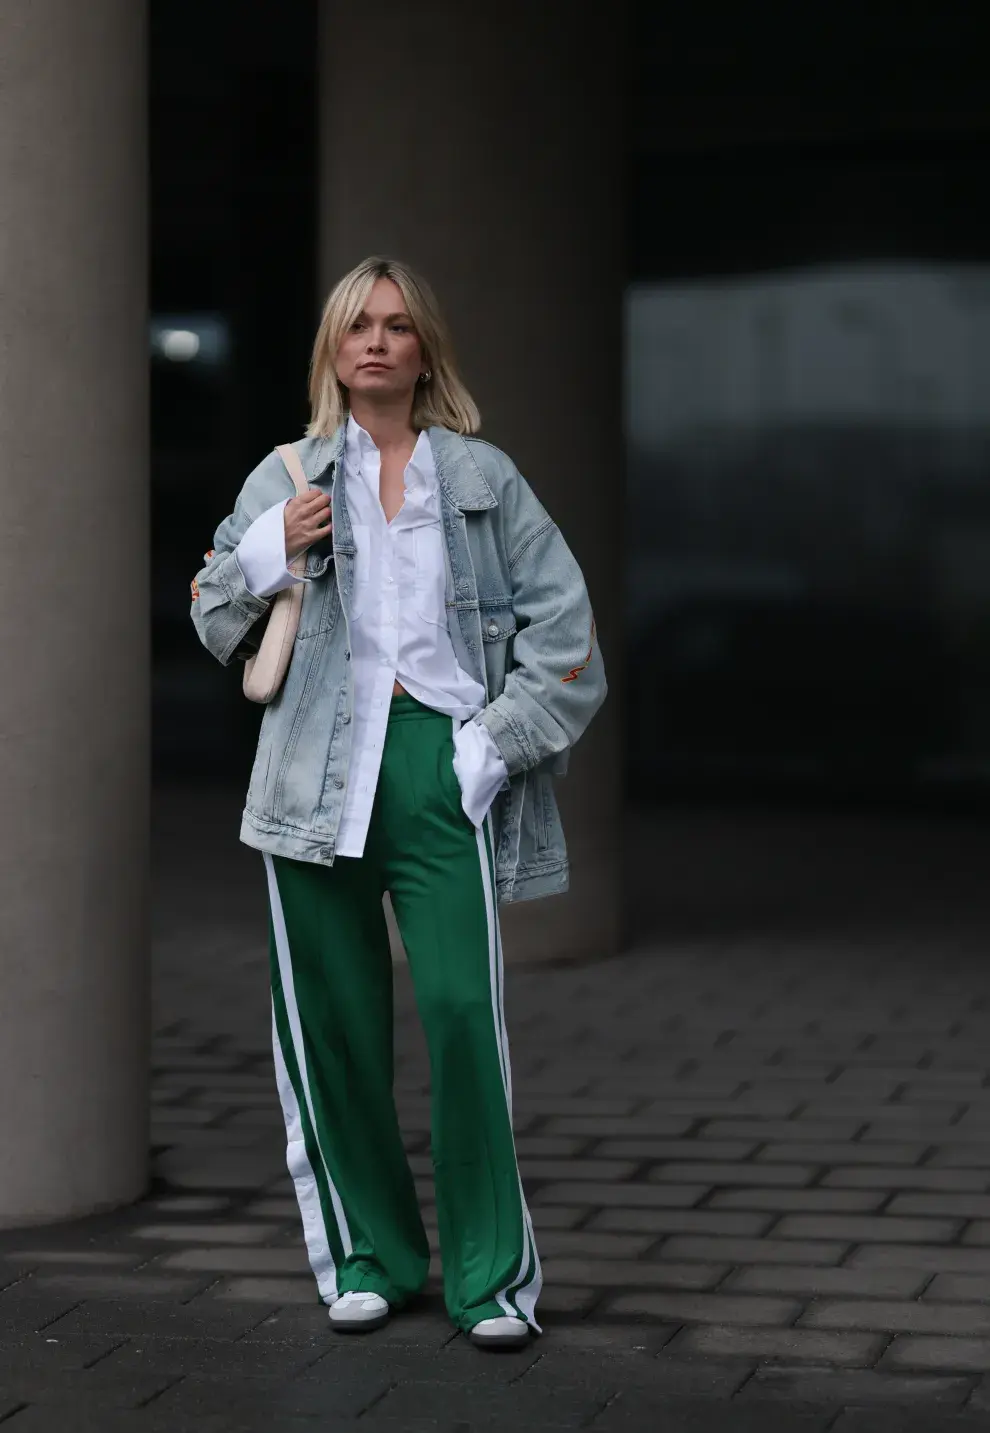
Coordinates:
(290,458)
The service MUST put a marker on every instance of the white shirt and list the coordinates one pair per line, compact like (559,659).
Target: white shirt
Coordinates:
(398,627)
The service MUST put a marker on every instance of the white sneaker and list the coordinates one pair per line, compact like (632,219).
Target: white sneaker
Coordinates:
(359,1312)
(500,1333)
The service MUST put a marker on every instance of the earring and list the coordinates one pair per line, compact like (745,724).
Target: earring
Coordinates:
(425,377)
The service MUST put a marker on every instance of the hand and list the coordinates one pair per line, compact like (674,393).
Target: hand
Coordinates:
(307,520)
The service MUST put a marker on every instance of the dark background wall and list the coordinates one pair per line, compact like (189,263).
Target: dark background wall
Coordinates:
(772,135)
(233,160)
(809,405)
(808,514)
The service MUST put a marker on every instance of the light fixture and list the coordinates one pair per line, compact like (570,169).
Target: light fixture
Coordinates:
(181,345)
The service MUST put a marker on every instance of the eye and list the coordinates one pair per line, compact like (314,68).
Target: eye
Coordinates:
(401,327)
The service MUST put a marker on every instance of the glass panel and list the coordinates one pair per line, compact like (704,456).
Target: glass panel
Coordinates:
(809,535)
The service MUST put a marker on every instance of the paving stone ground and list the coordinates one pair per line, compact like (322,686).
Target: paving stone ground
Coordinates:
(758,1164)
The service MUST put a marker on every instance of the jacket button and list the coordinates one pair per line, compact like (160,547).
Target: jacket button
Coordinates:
(338,783)
(493,629)
(346,718)
(347,656)
(325,853)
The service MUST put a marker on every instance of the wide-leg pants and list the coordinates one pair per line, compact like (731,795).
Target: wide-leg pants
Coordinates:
(332,1034)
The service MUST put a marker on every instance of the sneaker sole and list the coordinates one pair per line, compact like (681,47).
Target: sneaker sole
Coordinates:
(499,1340)
(359,1325)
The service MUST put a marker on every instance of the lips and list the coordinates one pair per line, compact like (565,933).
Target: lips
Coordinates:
(378,366)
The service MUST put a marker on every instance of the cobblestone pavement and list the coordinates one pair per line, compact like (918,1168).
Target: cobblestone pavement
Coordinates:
(759,1169)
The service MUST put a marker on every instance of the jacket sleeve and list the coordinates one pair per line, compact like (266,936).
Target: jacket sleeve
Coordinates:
(224,610)
(557,680)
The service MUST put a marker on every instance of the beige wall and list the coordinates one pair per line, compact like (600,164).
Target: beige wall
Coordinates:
(73,590)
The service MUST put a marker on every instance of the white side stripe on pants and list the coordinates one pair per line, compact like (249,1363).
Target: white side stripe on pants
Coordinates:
(527,1296)
(306,1193)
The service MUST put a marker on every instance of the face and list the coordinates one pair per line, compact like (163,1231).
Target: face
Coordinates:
(380,355)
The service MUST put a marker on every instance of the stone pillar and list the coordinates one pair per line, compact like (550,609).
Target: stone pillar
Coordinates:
(484,143)
(74,648)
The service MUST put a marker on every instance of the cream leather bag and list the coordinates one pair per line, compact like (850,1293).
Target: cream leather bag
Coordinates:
(265,671)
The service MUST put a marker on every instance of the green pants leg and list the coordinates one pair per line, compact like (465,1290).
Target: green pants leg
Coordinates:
(333,951)
(332,1039)
(439,871)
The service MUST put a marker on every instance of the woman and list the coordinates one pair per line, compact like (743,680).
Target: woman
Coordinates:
(444,665)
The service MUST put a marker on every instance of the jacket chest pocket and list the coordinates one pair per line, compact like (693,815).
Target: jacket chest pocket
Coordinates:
(498,628)
(498,623)
(321,604)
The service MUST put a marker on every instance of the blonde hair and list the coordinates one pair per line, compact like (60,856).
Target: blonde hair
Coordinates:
(443,400)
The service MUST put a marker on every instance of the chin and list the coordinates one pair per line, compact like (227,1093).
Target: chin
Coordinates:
(383,384)
(372,380)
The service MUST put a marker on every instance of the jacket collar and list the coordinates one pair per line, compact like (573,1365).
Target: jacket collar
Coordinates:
(321,452)
(461,480)
(458,473)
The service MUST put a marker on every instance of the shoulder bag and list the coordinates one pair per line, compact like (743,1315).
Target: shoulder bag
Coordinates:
(265,671)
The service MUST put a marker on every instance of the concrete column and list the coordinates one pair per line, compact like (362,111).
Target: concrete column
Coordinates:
(484,144)
(74,650)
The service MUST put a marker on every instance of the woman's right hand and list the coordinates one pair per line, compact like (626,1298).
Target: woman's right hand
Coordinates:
(307,520)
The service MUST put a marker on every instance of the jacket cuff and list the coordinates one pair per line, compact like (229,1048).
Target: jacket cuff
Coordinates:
(505,733)
(236,590)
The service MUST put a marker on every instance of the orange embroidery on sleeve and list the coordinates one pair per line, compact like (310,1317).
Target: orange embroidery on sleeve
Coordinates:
(194,585)
(575,672)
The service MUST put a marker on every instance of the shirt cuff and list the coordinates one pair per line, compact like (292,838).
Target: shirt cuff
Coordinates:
(480,770)
(260,554)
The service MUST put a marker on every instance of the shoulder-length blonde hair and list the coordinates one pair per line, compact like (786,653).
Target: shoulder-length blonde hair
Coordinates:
(442,401)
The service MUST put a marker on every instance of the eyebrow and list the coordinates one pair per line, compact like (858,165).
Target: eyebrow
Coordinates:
(389,316)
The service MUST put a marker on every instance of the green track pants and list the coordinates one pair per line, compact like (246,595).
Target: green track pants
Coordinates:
(332,1035)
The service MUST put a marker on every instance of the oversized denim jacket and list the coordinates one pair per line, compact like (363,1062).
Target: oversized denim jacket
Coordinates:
(520,621)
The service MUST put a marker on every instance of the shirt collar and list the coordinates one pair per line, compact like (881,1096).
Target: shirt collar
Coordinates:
(363,458)
(454,461)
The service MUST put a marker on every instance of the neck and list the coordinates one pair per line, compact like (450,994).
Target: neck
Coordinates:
(388,424)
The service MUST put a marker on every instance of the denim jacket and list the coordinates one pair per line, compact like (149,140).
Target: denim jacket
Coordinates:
(520,621)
